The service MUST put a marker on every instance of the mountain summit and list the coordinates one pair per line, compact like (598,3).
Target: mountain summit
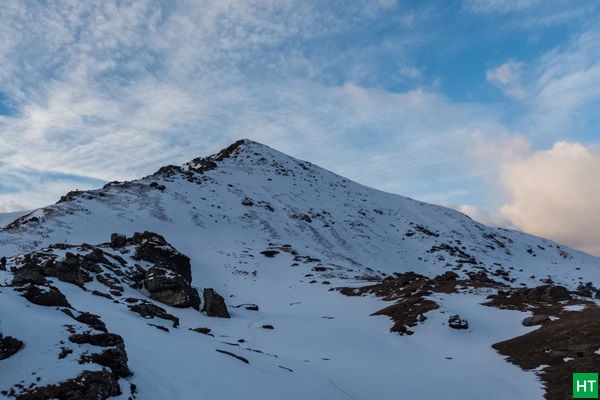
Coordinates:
(125,279)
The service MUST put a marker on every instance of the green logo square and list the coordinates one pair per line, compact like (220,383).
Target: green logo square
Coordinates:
(585,386)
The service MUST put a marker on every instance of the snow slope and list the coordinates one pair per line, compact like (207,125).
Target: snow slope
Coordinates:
(324,231)
(7,218)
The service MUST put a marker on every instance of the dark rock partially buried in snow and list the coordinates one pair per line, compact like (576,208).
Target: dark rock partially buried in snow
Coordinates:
(214,304)
(9,346)
(45,296)
(149,311)
(456,322)
(89,385)
(29,274)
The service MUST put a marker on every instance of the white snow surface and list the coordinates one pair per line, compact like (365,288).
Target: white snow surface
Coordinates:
(323,345)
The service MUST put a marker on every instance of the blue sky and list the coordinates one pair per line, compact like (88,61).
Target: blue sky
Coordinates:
(490,107)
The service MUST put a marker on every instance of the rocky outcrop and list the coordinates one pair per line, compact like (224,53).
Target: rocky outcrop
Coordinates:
(149,310)
(547,293)
(153,248)
(169,279)
(89,385)
(45,296)
(114,358)
(214,304)
(29,274)
(9,346)
(91,320)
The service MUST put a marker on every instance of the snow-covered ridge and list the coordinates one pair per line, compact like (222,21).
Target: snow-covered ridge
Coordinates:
(252,195)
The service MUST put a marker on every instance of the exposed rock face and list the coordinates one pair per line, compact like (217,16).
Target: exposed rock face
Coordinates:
(114,358)
(89,385)
(74,269)
(153,248)
(45,296)
(169,280)
(9,346)
(214,304)
(117,240)
(29,274)
(171,288)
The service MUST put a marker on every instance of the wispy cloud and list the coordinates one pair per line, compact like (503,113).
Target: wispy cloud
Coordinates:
(499,6)
(508,77)
(113,90)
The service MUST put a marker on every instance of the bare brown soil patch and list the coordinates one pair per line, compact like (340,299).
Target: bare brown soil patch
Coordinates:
(566,345)
(409,291)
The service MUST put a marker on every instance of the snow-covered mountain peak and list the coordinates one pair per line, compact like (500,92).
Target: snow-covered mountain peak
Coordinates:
(251,196)
(301,256)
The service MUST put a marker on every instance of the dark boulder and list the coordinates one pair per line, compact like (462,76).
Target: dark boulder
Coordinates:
(204,331)
(269,253)
(455,322)
(149,310)
(153,248)
(546,293)
(170,288)
(98,339)
(214,304)
(118,240)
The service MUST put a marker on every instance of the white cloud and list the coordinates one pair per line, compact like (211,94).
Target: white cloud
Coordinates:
(556,194)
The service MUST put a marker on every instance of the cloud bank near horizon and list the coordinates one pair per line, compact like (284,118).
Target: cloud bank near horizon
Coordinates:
(554,194)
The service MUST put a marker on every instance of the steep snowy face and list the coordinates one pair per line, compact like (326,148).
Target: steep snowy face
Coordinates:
(249,196)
